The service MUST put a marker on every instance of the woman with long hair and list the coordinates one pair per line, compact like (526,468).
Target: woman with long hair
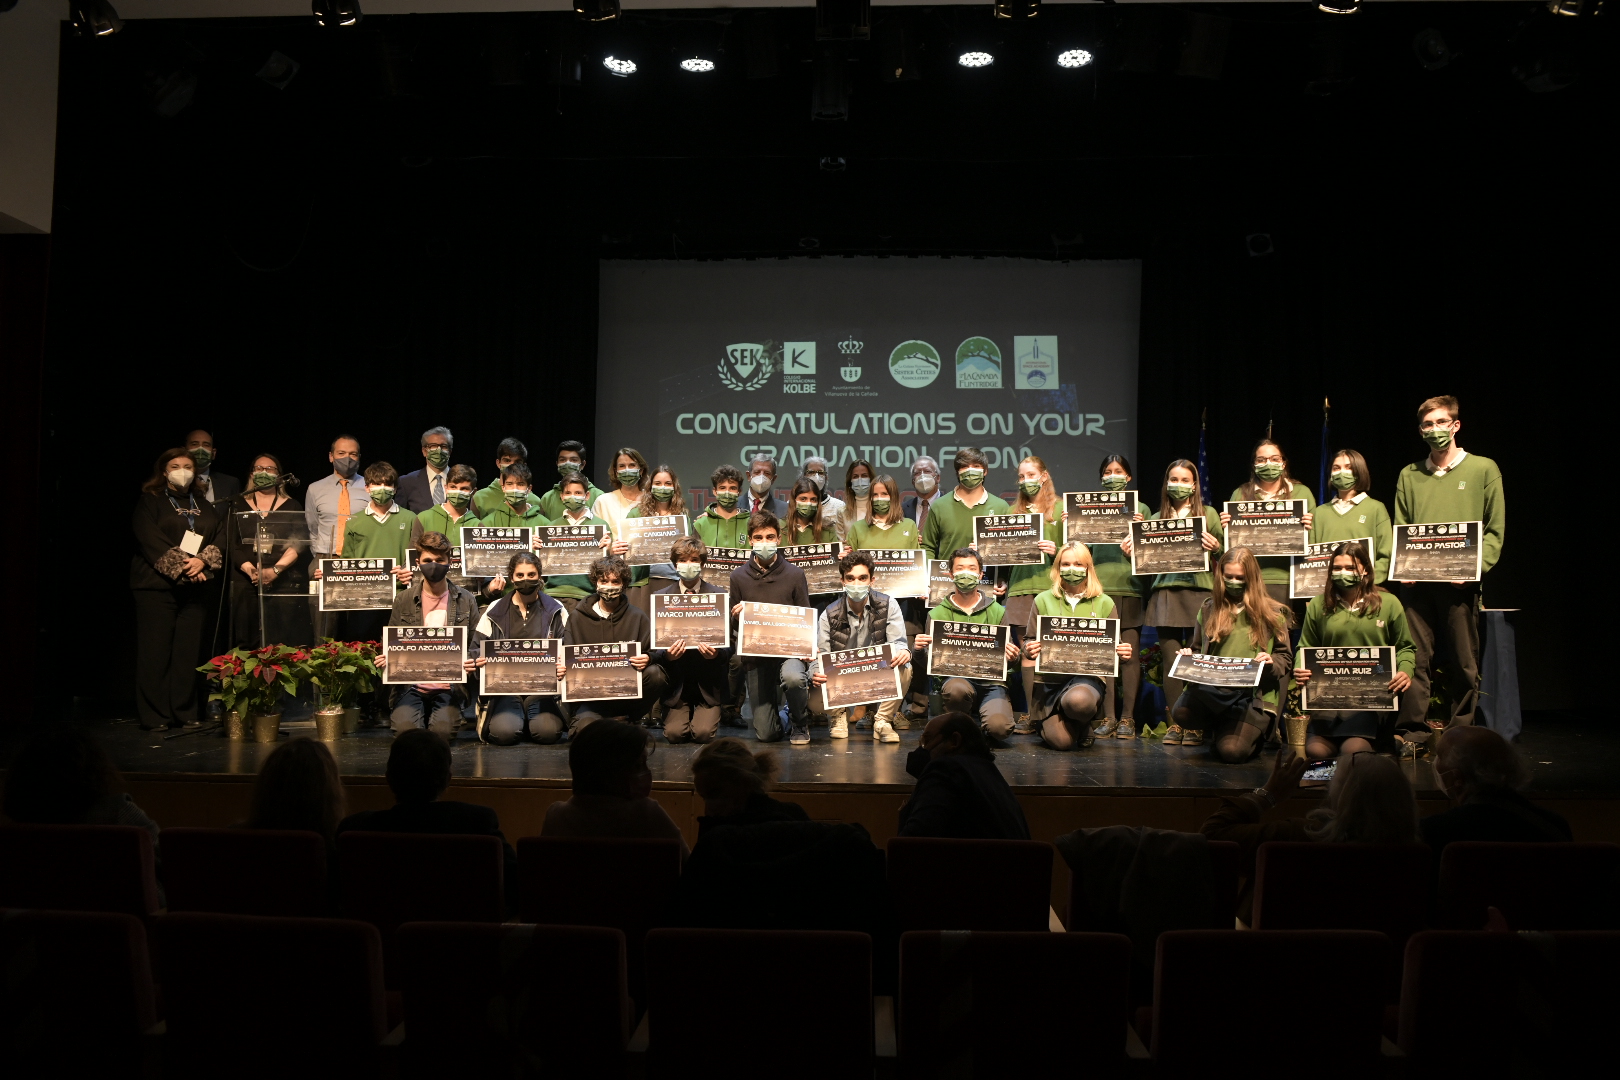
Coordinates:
(885,525)
(1352,514)
(857,506)
(1353,612)
(1175,599)
(1239,618)
(298,787)
(1036,495)
(1269,479)
(805,524)
(1064,706)
(1113,566)
(275,565)
(662,498)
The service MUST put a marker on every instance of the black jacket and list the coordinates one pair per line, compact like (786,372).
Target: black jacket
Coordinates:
(964,797)
(158,562)
(496,621)
(413,492)
(721,656)
(628,623)
(1499,816)
(439,818)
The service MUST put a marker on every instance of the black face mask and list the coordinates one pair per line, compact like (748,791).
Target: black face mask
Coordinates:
(917,761)
(434,571)
(527,587)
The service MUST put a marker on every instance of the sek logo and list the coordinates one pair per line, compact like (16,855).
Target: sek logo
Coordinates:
(746,366)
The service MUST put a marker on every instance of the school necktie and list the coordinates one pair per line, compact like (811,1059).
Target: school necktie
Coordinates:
(922,513)
(438,489)
(343,517)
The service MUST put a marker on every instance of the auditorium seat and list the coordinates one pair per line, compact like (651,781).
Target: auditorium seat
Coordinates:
(78,868)
(798,1002)
(970,884)
(1224,867)
(77,996)
(1267,1003)
(1569,979)
(245,995)
(245,872)
(1068,992)
(487,1000)
(1534,886)
(1446,970)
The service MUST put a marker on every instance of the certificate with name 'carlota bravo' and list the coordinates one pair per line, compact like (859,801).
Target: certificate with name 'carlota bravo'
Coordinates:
(1077,645)
(1448,551)
(900,572)
(650,538)
(357,584)
(700,618)
(601,672)
(1098,517)
(819,563)
(1009,539)
(940,584)
(1268,527)
(569,550)
(968,650)
(721,562)
(487,549)
(1228,671)
(861,676)
(424,654)
(520,666)
(1308,573)
(1169,546)
(1348,678)
(776,630)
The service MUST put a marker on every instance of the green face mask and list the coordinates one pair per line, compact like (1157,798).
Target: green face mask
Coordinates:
(1072,573)
(628,477)
(566,467)
(1178,491)
(966,580)
(805,510)
(576,503)
(726,499)
(1346,579)
(458,499)
(202,457)
(438,457)
(662,492)
(1439,438)
(516,496)
(1030,488)
(881,506)
(1233,587)
(1343,481)
(689,571)
(1115,483)
(382,496)
(970,478)
(264,479)
(1268,470)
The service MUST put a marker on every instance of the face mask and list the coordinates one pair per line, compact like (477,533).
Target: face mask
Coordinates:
(760,483)
(576,503)
(925,484)
(1346,579)
(1178,491)
(1234,588)
(662,492)
(516,496)
(264,479)
(805,510)
(609,592)
(1115,483)
(1268,470)
(566,467)
(1439,438)
(345,466)
(966,581)
(181,478)
(382,496)
(726,499)
(861,486)
(434,571)
(1072,573)
(203,458)
(1030,488)
(917,761)
(438,457)
(628,477)
(458,499)
(1343,481)
(689,571)
(818,479)
(881,506)
(970,478)
(765,550)
(857,590)
(527,587)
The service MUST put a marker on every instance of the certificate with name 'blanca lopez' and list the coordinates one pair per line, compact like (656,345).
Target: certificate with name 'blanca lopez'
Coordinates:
(776,630)
(819,563)
(1308,574)
(1447,551)
(424,654)
(1349,678)
(601,672)
(721,562)
(1077,645)
(487,549)
(1098,517)
(520,666)
(1268,527)
(899,572)
(357,584)
(1228,671)
(569,550)
(1009,539)
(700,618)
(650,538)
(861,676)
(968,650)
(1169,546)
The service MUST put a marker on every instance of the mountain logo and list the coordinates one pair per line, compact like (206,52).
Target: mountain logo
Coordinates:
(914,363)
(978,365)
(747,366)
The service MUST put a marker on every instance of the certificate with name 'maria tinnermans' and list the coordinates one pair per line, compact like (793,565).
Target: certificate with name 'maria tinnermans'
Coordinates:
(520,666)
(783,631)
(1446,551)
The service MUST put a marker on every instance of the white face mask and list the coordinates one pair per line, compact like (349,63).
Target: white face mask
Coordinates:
(925,484)
(818,479)
(760,483)
(181,478)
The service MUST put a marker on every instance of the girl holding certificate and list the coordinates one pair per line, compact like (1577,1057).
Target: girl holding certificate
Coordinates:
(885,526)
(1239,618)
(1174,602)
(630,482)
(1064,706)
(662,497)
(1352,514)
(1353,611)
(1036,495)
(1268,480)
(1113,569)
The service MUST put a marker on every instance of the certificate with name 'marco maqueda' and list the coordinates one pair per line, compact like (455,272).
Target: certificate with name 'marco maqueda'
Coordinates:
(700,618)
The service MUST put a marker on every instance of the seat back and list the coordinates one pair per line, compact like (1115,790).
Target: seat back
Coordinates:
(1445,969)
(245,871)
(1535,886)
(950,979)
(1225,860)
(1571,975)
(273,997)
(1306,886)
(77,993)
(970,884)
(812,990)
(78,868)
(1210,986)
(481,999)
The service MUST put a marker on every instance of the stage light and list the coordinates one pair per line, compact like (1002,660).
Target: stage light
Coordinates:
(1575,7)
(975,59)
(596,10)
(95,18)
(1338,7)
(697,64)
(1017,9)
(622,68)
(337,12)
(1073,58)
(1432,51)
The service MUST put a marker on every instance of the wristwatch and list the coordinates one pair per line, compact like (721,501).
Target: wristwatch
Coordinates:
(1265,796)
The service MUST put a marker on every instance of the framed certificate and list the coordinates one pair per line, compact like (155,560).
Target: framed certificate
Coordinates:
(424,654)
(968,650)
(357,584)
(520,666)
(1448,551)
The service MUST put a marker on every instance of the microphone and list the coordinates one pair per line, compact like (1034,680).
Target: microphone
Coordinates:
(290,480)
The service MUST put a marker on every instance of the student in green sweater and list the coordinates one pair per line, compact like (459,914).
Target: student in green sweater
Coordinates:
(1113,569)
(383,530)
(722,525)
(518,507)
(455,513)
(885,526)
(949,526)
(1449,484)
(1036,495)
(984,698)
(1270,480)
(1352,514)
(570,459)
(1175,600)
(490,498)
(570,589)
(1064,706)
(807,524)
(1238,619)
(1354,611)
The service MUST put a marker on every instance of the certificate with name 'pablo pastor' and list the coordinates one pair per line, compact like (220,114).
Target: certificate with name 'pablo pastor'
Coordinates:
(1447,551)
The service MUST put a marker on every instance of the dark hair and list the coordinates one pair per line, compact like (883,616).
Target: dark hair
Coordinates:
(159,480)
(1358,467)
(519,558)
(763,519)
(805,484)
(461,474)
(1115,459)
(512,446)
(689,547)
(57,776)
(1481,758)
(518,470)
(298,787)
(849,560)
(727,472)
(333,448)
(418,766)
(605,752)
(973,741)
(1367,592)
(436,542)
(573,446)
(610,566)
(966,553)
(380,472)
(273,458)
(574,476)
(1250,486)
(970,455)
(644,481)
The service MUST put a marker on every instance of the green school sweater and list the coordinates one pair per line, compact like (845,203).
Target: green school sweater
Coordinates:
(1238,643)
(1032,578)
(1368,517)
(504,518)
(720,532)
(945,611)
(570,586)
(792,534)
(1051,602)
(1114,566)
(368,538)
(865,535)
(437,519)
(488,499)
(1274,568)
(1206,580)
(1386,626)
(551,502)
(950,523)
(1470,491)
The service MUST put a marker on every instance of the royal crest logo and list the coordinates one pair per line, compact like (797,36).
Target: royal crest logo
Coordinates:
(850,347)
(747,366)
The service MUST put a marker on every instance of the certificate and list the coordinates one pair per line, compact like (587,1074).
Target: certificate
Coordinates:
(721,562)
(601,672)
(1308,573)
(1227,671)
(1440,552)
(968,650)
(486,550)
(1348,678)
(357,584)
(650,537)
(424,654)
(520,666)
(782,631)
(1009,539)
(1077,645)
(940,584)
(900,572)
(1169,546)
(819,563)
(1098,517)
(569,550)
(455,561)
(700,618)
(1268,527)
(859,677)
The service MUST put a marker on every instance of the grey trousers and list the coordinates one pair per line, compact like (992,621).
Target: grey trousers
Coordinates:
(511,716)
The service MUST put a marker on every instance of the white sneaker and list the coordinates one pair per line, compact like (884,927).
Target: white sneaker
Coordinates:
(838,729)
(883,731)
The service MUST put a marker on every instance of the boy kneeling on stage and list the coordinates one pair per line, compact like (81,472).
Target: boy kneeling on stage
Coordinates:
(605,617)
(432,601)
(862,617)
(696,674)
(984,699)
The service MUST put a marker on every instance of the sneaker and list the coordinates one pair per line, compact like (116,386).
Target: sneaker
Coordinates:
(1022,726)
(1105,729)
(837,729)
(1126,729)
(884,732)
(901,724)
(1192,738)
(1173,735)
(799,736)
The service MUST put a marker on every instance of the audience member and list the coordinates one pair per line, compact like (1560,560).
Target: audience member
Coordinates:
(1484,777)
(731,780)
(612,788)
(298,787)
(61,776)
(960,793)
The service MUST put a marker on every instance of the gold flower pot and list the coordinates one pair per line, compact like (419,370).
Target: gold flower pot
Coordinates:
(1297,727)
(351,721)
(266,727)
(329,725)
(236,726)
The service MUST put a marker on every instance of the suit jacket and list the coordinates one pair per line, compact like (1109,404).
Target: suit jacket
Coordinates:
(778,507)
(908,507)
(223,486)
(439,818)
(414,493)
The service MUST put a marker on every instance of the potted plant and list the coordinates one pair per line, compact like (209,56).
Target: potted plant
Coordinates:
(250,683)
(342,671)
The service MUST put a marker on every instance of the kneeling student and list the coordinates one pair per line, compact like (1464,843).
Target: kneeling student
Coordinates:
(862,617)
(604,617)
(1064,706)
(525,612)
(432,601)
(985,699)
(695,674)
(768,578)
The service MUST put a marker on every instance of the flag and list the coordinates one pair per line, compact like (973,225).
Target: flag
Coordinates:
(1203,457)
(1322,482)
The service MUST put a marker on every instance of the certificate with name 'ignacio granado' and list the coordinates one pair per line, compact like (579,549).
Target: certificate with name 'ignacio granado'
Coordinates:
(357,584)
(424,654)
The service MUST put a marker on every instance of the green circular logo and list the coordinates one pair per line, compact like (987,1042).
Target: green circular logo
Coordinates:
(914,363)
(978,365)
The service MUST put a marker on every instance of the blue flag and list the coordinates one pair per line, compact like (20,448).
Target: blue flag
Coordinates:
(1203,457)
(1322,481)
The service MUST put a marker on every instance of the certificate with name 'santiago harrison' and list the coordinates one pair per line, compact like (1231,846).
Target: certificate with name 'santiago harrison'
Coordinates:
(1009,539)
(520,666)
(601,672)
(1448,551)
(1169,546)
(1308,573)
(899,572)
(1268,527)
(819,563)
(424,654)
(721,562)
(940,584)
(861,676)
(650,538)
(357,584)
(1348,678)
(1098,517)
(968,650)
(487,549)
(700,618)
(776,630)
(1077,645)
(569,550)
(1228,671)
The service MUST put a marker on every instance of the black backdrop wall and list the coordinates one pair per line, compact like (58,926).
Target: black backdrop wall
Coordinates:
(407,233)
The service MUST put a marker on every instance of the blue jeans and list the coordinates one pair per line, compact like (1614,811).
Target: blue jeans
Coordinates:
(437,710)
(510,716)
(769,682)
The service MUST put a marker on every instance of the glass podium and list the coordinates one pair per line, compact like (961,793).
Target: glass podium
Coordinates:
(268,568)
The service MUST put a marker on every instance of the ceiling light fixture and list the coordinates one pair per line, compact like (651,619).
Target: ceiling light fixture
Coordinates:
(975,59)
(622,68)
(697,64)
(95,18)
(337,12)
(1017,9)
(1073,58)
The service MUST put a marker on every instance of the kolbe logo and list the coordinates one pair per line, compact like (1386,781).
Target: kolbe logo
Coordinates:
(851,371)
(746,366)
(978,365)
(914,363)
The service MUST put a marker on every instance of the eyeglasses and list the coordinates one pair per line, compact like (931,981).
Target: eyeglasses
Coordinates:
(436,446)
(1430,425)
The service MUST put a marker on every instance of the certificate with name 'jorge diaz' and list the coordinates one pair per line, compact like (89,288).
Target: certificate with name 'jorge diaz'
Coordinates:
(424,654)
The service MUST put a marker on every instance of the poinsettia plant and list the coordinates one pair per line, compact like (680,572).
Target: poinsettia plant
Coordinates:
(342,670)
(251,681)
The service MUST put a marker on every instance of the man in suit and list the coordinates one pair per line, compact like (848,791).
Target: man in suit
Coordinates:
(761,481)
(697,674)
(216,486)
(925,480)
(424,489)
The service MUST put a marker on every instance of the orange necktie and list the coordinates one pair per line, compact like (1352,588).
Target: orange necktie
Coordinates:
(343,517)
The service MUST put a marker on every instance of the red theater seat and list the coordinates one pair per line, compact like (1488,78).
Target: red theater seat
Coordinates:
(245,871)
(1225,860)
(970,884)
(1446,1025)
(78,868)
(1534,886)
